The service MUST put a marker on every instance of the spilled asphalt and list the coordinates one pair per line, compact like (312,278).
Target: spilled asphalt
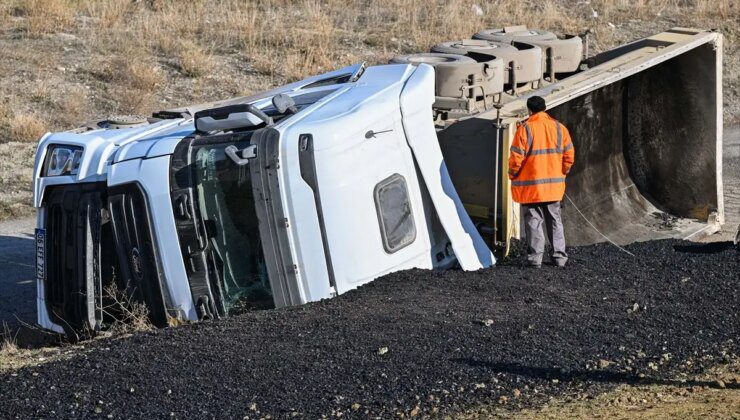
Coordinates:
(418,342)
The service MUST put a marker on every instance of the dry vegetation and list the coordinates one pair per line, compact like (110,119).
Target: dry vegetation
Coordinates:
(713,394)
(65,61)
(128,315)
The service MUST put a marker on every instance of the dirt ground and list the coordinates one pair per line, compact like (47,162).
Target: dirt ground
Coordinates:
(71,61)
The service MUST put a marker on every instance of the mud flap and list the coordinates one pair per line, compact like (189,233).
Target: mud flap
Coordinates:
(416,108)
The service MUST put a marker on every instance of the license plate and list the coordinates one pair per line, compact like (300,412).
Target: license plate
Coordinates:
(40,254)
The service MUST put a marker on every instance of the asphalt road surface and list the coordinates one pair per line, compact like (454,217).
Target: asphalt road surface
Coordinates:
(17,272)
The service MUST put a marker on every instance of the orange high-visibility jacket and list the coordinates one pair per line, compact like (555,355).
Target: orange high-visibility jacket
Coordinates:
(541,156)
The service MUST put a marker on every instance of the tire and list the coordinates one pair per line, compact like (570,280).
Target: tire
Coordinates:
(431,59)
(451,72)
(521,35)
(480,46)
(567,53)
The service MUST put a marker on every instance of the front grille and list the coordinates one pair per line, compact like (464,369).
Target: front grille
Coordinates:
(96,238)
(141,278)
(74,228)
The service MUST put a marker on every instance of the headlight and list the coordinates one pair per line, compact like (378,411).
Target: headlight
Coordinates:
(62,160)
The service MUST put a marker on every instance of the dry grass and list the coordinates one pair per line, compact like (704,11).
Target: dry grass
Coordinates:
(25,128)
(289,39)
(69,61)
(131,82)
(44,16)
(713,394)
(72,106)
(192,61)
(8,345)
(129,315)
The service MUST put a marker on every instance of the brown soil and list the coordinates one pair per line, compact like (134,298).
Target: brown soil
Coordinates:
(74,60)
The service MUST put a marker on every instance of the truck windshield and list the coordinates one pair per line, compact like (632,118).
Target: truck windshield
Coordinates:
(226,204)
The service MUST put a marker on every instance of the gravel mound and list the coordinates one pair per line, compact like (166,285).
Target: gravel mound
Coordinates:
(418,342)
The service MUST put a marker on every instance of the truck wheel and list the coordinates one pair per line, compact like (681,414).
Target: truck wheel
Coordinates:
(431,59)
(481,46)
(523,59)
(460,79)
(514,33)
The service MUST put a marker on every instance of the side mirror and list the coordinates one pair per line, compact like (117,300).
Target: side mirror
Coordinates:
(283,103)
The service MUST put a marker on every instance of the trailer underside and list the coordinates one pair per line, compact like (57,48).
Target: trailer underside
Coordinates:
(646,124)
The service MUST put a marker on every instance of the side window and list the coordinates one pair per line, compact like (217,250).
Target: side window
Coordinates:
(396,220)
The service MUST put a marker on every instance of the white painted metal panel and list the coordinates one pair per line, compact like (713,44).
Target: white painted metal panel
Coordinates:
(154,177)
(416,106)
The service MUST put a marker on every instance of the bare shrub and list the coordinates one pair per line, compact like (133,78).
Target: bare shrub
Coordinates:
(25,128)
(41,91)
(110,13)
(44,16)
(192,61)
(8,345)
(72,106)
(132,82)
(129,315)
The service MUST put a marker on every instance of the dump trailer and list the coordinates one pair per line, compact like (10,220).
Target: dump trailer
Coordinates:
(646,122)
(312,189)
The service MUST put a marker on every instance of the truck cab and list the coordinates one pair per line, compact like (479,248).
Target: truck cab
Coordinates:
(283,198)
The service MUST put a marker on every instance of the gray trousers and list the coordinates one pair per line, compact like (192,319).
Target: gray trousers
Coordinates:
(547,214)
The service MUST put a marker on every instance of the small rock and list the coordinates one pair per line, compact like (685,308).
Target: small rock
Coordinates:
(517,393)
(382,350)
(253,406)
(603,364)
(479,386)
(355,406)
(415,411)
(502,399)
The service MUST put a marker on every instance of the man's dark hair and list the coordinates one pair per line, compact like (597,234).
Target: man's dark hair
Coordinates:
(536,104)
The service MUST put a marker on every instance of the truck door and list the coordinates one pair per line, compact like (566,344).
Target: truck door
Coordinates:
(361,170)
(217,224)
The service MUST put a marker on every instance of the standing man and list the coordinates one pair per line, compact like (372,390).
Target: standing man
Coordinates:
(541,157)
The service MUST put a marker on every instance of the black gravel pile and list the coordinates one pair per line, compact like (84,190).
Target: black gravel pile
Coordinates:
(418,342)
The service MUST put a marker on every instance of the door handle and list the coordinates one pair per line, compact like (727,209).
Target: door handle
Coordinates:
(249,153)
(370,134)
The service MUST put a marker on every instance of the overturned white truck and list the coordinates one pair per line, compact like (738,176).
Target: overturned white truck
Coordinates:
(315,188)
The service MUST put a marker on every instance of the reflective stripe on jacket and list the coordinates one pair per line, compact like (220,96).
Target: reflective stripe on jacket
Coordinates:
(541,156)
